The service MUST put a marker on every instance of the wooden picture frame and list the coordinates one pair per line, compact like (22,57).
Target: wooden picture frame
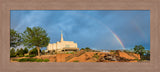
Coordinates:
(7,5)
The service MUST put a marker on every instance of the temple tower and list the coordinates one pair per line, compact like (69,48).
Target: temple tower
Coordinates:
(61,36)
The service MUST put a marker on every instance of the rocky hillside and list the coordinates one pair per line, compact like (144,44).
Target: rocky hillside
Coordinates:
(117,56)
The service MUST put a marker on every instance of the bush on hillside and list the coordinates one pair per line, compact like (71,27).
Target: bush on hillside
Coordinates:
(12,53)
(20,55)
(39,60)
(96,55)
(31,60)
(46,60)
(32,55)
(34,51)
(82,49)
(26,55)
(76,61)
(43,52)
(87,49)
(25,50)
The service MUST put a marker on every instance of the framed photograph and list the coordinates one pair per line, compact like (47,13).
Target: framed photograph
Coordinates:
(80,36)
(89,36)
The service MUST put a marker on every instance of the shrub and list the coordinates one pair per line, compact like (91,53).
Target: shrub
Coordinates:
(39,60)
(12,53)
(33,51)
(23,60)
(67,53)
(71,52)
(15,59)
(82,49)
(31,60)
(136,59)
(96,56)
(20,55)
(46,60)
(27,59)
(43,52)
(76,61)
(112,50)
(26,55)
(33,55)
(87,49)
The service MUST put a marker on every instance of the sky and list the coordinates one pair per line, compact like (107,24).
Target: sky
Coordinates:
(97,29)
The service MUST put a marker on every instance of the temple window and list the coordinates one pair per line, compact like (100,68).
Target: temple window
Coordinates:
(67,45)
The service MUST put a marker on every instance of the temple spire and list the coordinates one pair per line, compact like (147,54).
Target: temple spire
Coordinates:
(61,36)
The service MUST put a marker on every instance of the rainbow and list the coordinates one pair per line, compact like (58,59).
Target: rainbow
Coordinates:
(118,39)
(114,35)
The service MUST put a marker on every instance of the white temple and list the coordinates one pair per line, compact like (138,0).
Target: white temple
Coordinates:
(62,46)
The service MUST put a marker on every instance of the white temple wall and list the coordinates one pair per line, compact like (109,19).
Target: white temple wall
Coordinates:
(62,44)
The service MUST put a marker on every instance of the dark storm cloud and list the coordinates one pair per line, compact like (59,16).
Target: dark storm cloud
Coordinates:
(89,28)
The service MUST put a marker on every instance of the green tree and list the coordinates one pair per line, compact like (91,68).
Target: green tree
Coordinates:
(33,52)
(147,52)
(87,49)
(139,49)
(12,52)
(17,52)
(147,55)
(82,48)
(43,52)
(15,38)
(35,36)
(21,52)
(25,50)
